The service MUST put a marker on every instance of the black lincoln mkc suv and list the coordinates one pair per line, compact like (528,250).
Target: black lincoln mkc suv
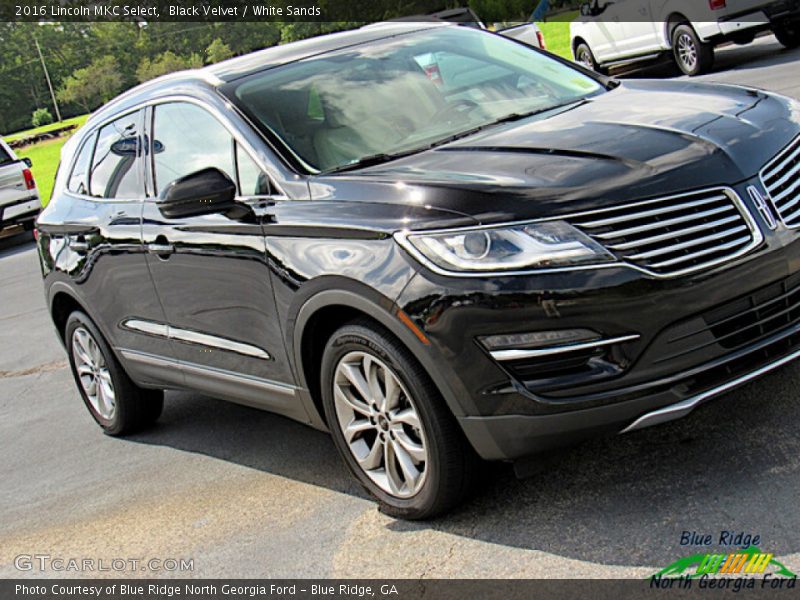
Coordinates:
(437,243)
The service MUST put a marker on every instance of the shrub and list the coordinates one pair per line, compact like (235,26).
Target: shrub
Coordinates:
(41,116)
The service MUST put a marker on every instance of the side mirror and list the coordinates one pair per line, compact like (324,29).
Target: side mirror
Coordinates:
(201,193)
(28,162)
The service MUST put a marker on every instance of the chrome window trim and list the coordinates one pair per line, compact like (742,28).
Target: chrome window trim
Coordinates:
(93,128)
(758,237)
(517,354)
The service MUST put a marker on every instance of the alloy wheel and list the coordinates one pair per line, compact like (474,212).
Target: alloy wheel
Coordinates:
(93,373)
(380,424)
(586,59)
(687,51)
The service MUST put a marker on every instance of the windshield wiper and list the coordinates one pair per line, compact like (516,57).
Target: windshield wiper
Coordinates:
(382,157)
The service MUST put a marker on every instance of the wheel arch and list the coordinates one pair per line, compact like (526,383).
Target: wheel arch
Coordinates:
(323,313)
(62,303)
(674,19)
(577,41)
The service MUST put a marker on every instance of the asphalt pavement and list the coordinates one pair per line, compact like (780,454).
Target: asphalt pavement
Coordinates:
(243,493)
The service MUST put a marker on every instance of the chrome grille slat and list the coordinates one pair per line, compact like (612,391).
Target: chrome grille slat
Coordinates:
(795,187)
(780,161)
(669,236)
(713,249)
(660,224)
(653,212)
(696,242)
(675,235)
(781,178)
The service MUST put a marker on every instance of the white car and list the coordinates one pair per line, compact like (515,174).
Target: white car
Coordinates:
(19,198)
(611,33)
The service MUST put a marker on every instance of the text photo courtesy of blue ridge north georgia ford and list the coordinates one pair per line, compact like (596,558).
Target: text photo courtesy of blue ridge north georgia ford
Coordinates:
(492,298)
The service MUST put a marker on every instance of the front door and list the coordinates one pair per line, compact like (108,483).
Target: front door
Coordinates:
(211,271)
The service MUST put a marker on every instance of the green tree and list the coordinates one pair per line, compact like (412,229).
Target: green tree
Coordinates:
(41,116)
(93,85)
(167,62)
(218,51)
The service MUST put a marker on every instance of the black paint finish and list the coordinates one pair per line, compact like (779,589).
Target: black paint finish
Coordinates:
(259,273)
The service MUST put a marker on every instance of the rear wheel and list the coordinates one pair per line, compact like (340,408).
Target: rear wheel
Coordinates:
(788,34)
(692,55)
(391,425)
(117,404)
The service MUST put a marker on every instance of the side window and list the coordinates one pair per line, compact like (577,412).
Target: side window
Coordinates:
(252,180)
(115,171)
(186,139)
(79,178)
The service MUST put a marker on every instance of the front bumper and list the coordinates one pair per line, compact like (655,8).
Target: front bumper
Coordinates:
(699,335)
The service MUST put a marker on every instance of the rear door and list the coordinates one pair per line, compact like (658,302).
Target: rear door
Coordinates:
(95,233)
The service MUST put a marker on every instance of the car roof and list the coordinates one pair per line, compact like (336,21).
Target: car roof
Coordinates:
(229,70)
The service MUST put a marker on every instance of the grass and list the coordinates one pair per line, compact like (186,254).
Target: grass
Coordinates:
(45,128)
(556,34)
(45,157)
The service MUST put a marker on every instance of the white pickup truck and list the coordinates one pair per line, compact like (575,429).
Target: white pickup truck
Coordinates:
(611,33)
(19,198)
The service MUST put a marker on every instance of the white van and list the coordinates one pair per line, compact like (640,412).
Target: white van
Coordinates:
(612,33)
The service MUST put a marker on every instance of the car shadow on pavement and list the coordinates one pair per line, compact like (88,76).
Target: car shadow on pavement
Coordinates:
(732,465)
(15,244)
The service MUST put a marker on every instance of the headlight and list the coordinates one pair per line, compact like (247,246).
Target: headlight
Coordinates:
(545,245)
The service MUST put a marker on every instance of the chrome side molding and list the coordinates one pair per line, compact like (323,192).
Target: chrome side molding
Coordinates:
(504,355)
(684,407)
(194,337)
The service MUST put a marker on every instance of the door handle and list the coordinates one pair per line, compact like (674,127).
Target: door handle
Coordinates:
(78,244)
(161,247)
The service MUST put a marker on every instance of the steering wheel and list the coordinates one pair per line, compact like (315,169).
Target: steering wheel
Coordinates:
(461,107)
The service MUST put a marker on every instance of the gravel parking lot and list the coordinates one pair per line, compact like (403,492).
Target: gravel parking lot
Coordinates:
(247,494)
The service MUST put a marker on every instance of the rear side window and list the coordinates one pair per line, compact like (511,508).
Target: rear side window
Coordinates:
(79,178)
(188,139)
(115,171)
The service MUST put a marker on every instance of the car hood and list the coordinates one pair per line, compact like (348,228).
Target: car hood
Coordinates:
(643,139)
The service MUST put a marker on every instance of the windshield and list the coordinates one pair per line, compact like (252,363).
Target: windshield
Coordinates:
(404,93)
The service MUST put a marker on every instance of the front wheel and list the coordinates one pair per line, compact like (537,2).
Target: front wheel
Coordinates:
(117,404)
(788,34)
(391,425)
(692,55)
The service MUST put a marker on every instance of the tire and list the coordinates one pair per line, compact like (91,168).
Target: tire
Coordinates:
(691,54)
(444,462)
(788,34)
(118,405)
(585,57)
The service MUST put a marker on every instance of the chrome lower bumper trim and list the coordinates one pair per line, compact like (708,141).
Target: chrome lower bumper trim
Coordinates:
(684,407)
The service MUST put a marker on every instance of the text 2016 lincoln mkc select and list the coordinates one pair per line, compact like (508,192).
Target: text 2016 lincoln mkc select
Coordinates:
(438,243)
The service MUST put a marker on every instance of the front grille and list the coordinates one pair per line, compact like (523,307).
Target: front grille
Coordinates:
(675,235)
(740,322)
(781,179)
